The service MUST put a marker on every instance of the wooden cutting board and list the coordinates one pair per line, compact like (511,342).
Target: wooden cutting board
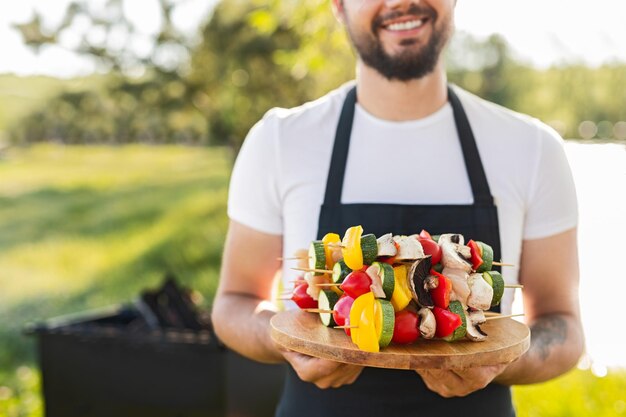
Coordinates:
(303,332)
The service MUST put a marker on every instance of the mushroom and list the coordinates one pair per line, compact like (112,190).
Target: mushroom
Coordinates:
(477,317)
(460,288)
(377,285)
(386,247)
(454,254)
(428,324)
(481,293)
(313,289)
(474,333)
(418,272)
(409,248)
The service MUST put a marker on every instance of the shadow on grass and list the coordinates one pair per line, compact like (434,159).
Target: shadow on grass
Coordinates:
(192,254)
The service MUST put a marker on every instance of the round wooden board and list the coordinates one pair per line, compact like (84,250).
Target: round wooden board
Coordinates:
(303,332)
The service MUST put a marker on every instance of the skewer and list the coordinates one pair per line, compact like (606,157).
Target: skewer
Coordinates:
(295,258)
(501,264)
(513,286)
(317,310)
(345,327)
(321,271)
(330,284)
(335,245)
(503,317)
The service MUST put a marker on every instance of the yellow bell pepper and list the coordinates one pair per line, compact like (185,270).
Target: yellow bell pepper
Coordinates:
(330,238)
(363,321)
(352,254)
(401,296)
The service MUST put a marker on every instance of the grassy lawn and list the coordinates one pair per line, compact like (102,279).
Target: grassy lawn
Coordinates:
(87,227)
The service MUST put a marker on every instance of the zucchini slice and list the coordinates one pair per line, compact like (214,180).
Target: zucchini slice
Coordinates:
(487,257)
(494,278)
(327,301)
(384,320)
(459,333)
(387,278)
(340,271)
(369,247)
(317,256)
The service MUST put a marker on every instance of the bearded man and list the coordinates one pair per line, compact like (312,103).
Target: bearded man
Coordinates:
(397,151)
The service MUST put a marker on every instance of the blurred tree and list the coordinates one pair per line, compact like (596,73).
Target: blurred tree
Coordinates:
(252,55)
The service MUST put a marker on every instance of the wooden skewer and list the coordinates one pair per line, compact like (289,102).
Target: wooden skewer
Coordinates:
(330,284)
(503,317)
(321,271)
(335,245)
(501,264)
(295,258)
(513,286)
(345,327)
(317,310)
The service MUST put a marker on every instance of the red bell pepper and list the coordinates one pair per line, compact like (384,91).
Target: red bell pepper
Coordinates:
(476,252)
(341,311)
(447,321)
(441,294)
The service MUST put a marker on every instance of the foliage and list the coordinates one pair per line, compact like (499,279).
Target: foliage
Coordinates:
(254,55)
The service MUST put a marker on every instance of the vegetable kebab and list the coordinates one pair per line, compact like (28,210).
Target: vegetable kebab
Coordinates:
(399,288)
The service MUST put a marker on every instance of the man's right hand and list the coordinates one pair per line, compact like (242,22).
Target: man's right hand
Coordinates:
(321,372)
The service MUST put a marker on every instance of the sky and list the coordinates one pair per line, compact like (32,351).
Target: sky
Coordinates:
(540,32)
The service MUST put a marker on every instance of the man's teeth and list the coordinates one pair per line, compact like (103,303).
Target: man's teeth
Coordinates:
(412,24)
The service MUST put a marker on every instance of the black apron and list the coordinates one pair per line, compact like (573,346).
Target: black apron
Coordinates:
(383,392)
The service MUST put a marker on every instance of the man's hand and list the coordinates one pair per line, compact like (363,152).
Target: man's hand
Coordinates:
(460,382)
(321,372)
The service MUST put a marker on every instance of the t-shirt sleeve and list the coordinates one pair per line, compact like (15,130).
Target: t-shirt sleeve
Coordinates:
(552,206)
(254,197)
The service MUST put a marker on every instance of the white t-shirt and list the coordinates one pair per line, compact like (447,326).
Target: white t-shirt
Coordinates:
(279,179)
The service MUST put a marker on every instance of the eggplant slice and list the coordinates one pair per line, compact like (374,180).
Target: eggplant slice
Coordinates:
(418,274)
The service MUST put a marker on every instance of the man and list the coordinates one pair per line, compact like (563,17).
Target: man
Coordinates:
(397,152)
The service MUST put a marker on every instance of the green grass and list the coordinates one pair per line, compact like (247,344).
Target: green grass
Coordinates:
(88,227)
(576,394)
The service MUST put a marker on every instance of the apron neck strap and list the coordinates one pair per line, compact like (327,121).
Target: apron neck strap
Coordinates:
(473,164)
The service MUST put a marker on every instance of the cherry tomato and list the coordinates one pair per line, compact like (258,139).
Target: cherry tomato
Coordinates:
(425,235)
(447,321)
(431,248)
(341,311)
(441,294)
(301,298)
(406,327)
(356,283)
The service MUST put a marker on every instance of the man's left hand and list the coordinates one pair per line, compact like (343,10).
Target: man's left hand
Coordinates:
(460,382)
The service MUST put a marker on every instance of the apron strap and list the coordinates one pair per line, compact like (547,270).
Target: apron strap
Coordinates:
(473,164)
(337,170)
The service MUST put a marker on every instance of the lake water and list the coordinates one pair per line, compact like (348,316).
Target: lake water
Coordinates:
(600,175)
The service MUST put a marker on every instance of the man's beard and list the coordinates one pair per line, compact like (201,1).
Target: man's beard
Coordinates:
(408,64)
